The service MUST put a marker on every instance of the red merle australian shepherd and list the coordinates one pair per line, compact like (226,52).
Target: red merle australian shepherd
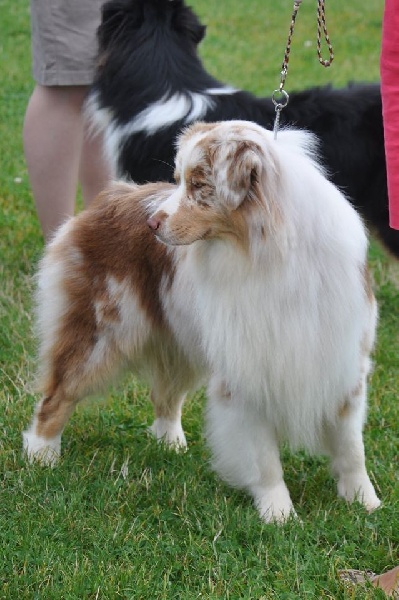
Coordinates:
(250,274)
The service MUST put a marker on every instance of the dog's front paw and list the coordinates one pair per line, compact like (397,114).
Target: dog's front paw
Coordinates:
(170,433)
(38,449)
(274,504)
(359,487)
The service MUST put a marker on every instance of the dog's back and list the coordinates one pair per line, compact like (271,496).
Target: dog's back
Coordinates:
(96,258)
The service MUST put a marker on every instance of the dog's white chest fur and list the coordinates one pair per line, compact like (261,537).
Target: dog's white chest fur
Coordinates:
(274,331)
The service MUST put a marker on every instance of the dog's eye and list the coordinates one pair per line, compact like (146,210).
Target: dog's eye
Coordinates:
(197,184)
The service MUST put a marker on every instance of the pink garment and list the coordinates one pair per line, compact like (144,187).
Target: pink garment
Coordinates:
(390,103)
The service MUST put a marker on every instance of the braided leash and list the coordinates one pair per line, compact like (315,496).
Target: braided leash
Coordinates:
(280,97)
(321,24)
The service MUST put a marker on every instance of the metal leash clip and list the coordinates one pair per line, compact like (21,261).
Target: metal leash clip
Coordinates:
(280,99)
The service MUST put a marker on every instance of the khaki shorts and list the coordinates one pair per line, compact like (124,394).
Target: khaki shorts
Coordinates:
(64,44)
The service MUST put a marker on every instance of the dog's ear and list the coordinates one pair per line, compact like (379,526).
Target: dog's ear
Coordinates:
(187,22)
(113,13)
(110,9)
(198,33)
(237,166)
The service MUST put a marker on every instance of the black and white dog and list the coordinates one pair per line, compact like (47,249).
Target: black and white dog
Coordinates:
(151,83)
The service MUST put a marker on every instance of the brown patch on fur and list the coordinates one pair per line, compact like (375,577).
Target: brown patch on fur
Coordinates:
(74,343)
(241,168)
(368,284)
(107,310)
(357,390)
(197,176)
(109,239)
(114,240)
(52,415)
(344,410)
(224,391)
(365,346)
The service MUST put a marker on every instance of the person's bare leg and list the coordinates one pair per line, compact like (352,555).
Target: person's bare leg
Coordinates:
(58,153)
(53,134)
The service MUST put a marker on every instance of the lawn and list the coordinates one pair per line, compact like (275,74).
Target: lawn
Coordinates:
(120,517)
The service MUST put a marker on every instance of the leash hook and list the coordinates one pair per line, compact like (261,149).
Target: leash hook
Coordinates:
(280,97)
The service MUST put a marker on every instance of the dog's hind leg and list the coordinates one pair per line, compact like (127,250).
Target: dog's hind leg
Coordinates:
(167,427)
(246,453)
(344,440)
(78,362)
(171,377)
(42,441)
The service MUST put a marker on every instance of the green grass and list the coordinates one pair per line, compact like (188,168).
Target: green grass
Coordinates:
(120,517)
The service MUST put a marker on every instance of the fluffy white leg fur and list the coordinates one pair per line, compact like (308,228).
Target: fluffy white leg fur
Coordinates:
(246,454)
(345,442)
(274,503)
(169,432)
(168,404)
(37,448)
